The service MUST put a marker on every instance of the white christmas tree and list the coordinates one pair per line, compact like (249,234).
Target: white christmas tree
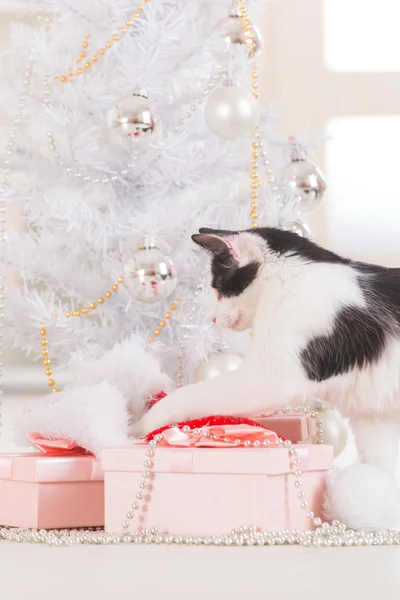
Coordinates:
(137,124)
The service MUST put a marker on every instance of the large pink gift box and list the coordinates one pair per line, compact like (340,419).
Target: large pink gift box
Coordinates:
(49,492)
(296,428)
(210,491)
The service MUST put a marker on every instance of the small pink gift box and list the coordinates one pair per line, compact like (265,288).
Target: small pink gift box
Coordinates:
(210,491)
(296,428)
(48,492)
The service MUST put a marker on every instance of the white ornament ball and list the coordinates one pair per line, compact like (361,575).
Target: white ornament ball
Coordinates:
(150,275)
(231,112)
(335,430)
(133,117)
(217,364)
(232,32)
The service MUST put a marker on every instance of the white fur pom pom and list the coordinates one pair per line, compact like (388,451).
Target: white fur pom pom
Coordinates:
(363,497)
(93,416)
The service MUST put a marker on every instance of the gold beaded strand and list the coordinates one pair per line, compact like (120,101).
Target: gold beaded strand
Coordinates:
(84,63)
(74,313)
(46,360)
(84,310)
(164,322)
(254,176)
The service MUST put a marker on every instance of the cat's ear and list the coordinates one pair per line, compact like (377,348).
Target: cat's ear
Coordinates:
(240,246)
(212,243)
(218,241)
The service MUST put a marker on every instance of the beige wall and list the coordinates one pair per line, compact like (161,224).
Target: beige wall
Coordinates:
(359,112)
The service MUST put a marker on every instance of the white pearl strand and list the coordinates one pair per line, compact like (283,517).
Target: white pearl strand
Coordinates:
(77,173)
(324,534)
(4,182)
(184,341)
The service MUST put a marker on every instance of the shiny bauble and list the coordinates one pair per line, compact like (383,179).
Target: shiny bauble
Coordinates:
(231,112)
(232,32)
(133,118)
(305,181)
(334,429)
(216,364)
(300,228)
(150,275)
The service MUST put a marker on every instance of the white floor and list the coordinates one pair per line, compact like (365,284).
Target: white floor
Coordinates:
(35,572)
(41,573)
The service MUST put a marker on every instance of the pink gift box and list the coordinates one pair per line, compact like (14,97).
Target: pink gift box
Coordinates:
(210,491)
(48,492)
(296,428)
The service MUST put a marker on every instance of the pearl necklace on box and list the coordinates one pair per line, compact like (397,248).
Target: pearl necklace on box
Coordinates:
(324,534)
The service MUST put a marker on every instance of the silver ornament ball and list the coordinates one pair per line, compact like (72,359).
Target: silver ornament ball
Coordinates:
(305,181)
(231,112)
(300,228)
(132,117)
(217,364)
(334,429)
(232,32)
(150,275)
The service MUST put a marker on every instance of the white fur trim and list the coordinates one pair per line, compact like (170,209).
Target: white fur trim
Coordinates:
(107,395)
(363,497)
(130,367)
(93,416)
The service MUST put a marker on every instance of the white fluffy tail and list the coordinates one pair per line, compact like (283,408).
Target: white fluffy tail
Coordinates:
(363,497)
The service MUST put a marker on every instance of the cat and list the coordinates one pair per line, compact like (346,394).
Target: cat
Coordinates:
(322,326)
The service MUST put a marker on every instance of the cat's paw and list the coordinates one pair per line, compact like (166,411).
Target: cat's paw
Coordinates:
(152,420)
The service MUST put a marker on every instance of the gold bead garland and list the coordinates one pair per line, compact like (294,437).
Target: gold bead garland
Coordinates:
(164,322)
(74,313)
(84,311)
(255,182)
(254,177)
(87,64)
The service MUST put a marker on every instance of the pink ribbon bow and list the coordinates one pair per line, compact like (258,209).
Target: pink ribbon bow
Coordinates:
(217,436)
(56,446)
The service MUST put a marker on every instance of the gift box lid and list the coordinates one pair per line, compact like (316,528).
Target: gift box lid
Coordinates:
(40,468)
(291,426)
(268,461)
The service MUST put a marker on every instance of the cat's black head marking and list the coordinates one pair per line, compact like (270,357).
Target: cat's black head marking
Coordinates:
(228,278)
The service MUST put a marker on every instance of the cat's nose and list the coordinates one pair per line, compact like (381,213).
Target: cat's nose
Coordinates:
(214,320)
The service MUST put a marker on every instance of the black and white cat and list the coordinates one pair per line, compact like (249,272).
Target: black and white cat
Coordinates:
(323,326)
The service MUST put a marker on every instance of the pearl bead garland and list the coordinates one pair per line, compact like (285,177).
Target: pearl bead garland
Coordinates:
(4,178)
(324,534)
(183,342)
(122,173)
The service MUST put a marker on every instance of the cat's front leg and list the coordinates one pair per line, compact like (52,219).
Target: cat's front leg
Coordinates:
(377,439)
(225,395)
